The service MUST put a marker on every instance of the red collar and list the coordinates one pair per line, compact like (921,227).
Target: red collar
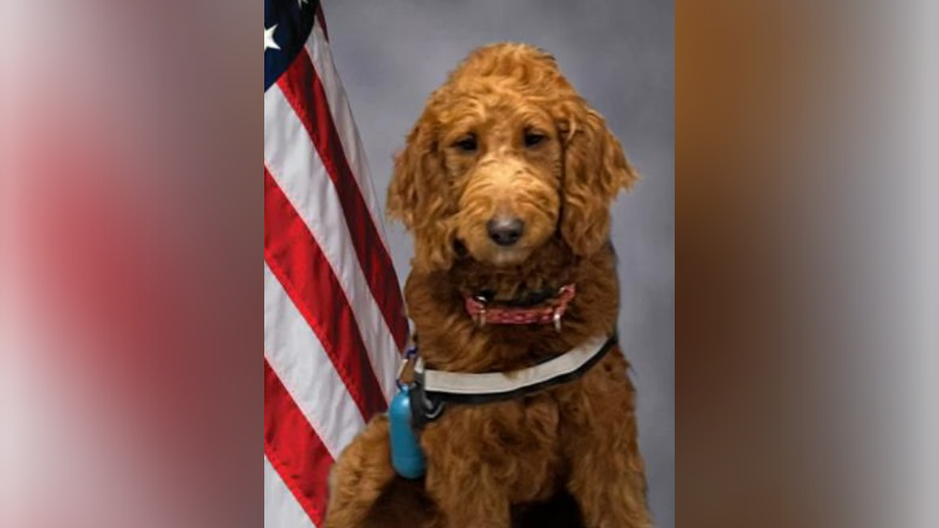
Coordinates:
(551,312)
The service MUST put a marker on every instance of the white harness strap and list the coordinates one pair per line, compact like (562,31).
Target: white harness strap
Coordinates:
(493,383)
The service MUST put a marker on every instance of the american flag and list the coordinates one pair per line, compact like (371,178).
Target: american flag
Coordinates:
(333,315)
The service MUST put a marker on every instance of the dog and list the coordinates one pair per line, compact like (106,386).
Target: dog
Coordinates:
(506,183)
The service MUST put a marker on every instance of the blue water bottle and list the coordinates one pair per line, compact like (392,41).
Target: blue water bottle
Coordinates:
(406,455)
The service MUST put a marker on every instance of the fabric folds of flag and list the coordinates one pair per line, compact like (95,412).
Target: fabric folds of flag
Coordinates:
(333,315)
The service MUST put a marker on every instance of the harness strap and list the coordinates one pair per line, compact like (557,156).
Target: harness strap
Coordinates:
(432,389)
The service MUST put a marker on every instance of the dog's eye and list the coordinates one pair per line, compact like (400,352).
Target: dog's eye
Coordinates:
(533,139)
(466,144)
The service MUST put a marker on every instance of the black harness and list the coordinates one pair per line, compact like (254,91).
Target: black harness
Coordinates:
(431,391)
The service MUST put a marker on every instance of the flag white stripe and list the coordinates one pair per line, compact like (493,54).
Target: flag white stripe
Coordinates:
(299,360)
(298,170)
(321,56)
(281,509)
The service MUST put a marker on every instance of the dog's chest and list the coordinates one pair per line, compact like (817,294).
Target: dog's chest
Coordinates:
(517,441)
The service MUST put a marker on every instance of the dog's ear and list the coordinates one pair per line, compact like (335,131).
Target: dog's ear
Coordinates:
(410,165)
(595,170)
(417,198)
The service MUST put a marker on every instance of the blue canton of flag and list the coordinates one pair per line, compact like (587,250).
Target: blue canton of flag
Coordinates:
(287,26)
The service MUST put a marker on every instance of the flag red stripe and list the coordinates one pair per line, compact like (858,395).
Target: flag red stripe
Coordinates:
(298,262)
(301,86)
(322,19)
(294,449)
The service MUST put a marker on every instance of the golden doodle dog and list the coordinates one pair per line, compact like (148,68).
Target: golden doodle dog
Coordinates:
(506,183)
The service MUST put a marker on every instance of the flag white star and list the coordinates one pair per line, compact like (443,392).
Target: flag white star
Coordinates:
(301,2)
(269,41)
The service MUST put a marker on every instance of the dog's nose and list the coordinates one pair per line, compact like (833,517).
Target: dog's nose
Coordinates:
(505,231)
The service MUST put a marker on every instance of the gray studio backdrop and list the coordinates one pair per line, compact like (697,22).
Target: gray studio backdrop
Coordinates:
(620,55)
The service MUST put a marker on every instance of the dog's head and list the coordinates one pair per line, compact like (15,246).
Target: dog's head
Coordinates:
(505,156)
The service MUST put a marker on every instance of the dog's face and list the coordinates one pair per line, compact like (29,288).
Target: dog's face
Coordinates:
(505,157)
(502,158)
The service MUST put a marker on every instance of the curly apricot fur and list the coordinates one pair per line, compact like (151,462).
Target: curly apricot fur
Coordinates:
(489,464)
